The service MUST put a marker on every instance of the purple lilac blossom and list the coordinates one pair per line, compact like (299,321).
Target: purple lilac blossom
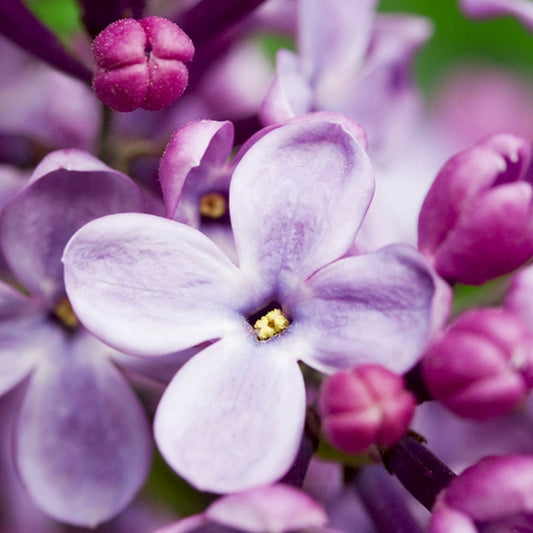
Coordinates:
(494,495)
(352,61)
(476,221)
(521,9)
(481,366)
(141,63)
(269,509)
(366,405)
(81,440)
(297,198)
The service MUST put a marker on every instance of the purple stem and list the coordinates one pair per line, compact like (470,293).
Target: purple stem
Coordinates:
(19,25)
(423,474)
(209,18)
(383,501)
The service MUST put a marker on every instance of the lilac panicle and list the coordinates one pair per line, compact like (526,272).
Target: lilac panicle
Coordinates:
(480,367)
(81,441)
(476,221)
(272,508)
(521,9)
(297,197)
(495,494)
(141,63)
(364,406)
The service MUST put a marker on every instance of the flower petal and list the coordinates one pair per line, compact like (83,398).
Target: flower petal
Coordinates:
(22,343)
(147,285)
(194,151)
(232,417)
(521,9)
(83,442)
(297,199)
(272,508)
(333,34)
(37,223)
(290,93)
(373,308)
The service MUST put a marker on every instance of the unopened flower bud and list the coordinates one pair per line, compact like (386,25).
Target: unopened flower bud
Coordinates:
(141,64)
(364,406)
(495,494)
(476,222)
(479,367)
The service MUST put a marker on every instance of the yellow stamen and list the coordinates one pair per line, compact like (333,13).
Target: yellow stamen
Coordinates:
(271,324)
(63,311)
(213,205)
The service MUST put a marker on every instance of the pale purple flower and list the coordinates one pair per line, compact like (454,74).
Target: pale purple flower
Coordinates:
(269,509)
(352,61)
(492,496)
(521,9)
(232,417)
(81,440)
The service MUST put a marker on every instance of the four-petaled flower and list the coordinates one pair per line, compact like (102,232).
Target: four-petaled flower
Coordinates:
(232,417)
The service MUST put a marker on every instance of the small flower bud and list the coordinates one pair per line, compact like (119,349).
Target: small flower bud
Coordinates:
(476,222)
(479,367)
(495,494)
(364,406)
(140,63)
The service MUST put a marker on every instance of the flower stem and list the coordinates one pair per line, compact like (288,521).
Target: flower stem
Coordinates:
(422,473)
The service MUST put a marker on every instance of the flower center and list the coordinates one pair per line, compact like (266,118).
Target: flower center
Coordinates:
(66,316)
(271,324)
(213,205)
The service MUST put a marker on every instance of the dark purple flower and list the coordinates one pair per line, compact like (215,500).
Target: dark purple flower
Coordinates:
(481,366)
(364,406)
(297,198)
(81,441)
(140,63)
(476,222)
(492,496)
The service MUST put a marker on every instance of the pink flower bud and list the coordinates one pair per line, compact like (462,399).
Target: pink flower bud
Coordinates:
(476,222)
(364,406)
(140,63)
(495,494)
(479,367)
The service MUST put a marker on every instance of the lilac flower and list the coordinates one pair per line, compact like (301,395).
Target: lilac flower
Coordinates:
(270,509)
(476,221)
(140,63)
(494,495)
(521,9)
(232,417)
(353,62)
(81,440)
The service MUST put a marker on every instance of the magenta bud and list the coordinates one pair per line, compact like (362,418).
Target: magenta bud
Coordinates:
(480,367)
(476,222)
(495,494)
(364,406)
(140,63)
